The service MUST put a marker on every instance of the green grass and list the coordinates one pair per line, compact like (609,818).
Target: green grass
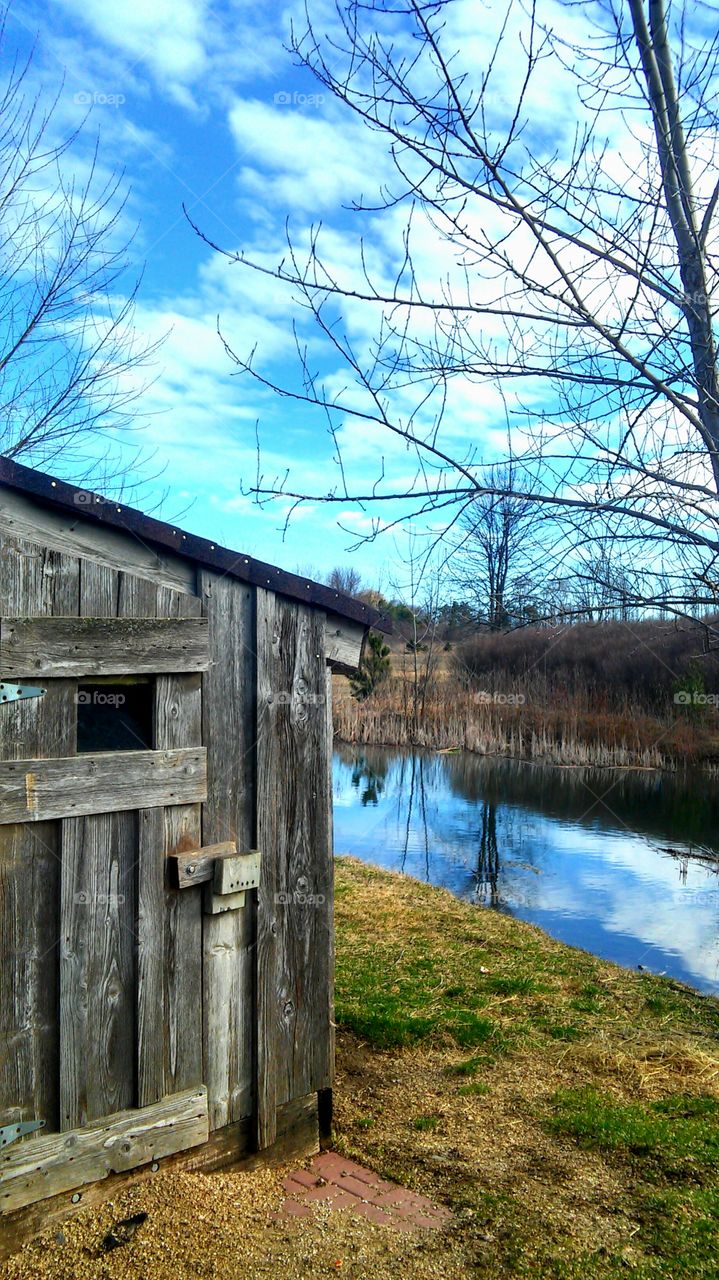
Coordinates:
(432,969)
(475,1087)
(426,1124)
(677,1134)
(470,991)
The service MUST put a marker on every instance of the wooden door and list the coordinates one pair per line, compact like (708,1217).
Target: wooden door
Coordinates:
(101,992)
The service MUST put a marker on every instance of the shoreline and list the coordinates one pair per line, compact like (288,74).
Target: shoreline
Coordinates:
(708,766)
(450,718)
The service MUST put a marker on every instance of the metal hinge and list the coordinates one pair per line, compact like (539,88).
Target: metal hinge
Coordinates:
(12,1132)
(14,692)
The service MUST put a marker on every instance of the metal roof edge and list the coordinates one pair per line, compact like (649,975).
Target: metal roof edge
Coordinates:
(88,505)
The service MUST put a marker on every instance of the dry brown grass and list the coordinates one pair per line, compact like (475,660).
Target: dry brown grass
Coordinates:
(515,721)
(469,1127)
(473,1127)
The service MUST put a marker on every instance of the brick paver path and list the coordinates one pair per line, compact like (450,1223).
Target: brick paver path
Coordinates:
(342,1184)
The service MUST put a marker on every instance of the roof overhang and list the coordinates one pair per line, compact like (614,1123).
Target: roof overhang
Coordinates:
(89,506)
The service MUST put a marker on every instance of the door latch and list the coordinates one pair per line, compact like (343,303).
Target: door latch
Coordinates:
(14,692)
(12,1132)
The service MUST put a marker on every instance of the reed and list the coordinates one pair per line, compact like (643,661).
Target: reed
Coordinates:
(528,722)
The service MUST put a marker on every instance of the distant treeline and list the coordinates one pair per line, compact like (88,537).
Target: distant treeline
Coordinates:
(611,665)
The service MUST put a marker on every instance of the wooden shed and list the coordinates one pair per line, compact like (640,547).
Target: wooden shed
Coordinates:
(165,849)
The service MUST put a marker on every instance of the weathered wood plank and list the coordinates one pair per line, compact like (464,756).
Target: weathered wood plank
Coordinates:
(197,866)
(32,580)
(136,597)
(344,643)
(99,590)
(36,790)
(150,956)
(175,925)
(229,815)
(294,921)
(24,518)
(214,904)
(46,1166)
(173,604)
(234,875)
(297,1137)
(97,967)
(46,647)
(329,753)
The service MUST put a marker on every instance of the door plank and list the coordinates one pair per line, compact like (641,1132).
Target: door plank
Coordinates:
(150,956)
(229,815)
(37,581)
(47,1165)
(35,790)
(97,967)
(170,923)
(294,937)
(44,647)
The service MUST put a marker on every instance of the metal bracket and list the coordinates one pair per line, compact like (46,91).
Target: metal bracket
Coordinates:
(12,1132)
(15,692)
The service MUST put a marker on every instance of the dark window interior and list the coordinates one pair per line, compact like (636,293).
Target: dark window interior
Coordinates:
(115,717)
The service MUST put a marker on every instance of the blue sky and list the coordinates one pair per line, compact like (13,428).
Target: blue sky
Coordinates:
(201,104)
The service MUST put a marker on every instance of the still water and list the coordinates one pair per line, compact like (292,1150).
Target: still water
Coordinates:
(602,859)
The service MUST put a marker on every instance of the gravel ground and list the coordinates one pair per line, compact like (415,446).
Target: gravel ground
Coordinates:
(221,1226)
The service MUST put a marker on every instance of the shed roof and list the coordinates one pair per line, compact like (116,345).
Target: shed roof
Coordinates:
(87,505)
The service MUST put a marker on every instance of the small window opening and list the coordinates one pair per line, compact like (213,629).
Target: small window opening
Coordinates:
(115,715)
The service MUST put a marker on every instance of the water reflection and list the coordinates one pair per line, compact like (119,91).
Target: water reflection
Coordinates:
(604,859)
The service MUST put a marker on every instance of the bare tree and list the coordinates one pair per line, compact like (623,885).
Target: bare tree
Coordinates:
(577,273)
(70,362)
(345,578)
(497,539)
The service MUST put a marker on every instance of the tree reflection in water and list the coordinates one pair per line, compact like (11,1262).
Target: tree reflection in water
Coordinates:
(613,861)
(369,779)
(487,873)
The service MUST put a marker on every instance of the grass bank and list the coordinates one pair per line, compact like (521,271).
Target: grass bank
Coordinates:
(567,1110)
(527,721)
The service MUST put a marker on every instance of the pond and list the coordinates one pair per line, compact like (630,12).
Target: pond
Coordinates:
(609,860)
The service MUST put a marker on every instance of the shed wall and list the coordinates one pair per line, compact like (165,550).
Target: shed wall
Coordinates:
(258,980)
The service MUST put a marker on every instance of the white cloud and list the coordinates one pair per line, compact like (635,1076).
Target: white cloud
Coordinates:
(304,158)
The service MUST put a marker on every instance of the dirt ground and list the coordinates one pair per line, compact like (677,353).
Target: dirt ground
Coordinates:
(482,1154)
(463,1034)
